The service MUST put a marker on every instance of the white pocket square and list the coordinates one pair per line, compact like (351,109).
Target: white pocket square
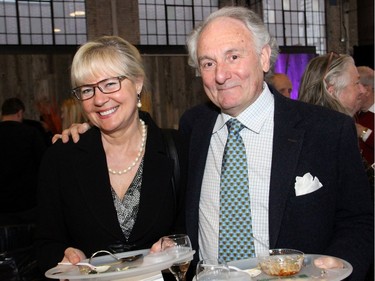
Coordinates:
(306,184)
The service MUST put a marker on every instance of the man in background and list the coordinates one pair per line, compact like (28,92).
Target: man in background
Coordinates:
(22,147)
(281,83)
(365,117)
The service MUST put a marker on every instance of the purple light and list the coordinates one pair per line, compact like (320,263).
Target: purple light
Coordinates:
(293,65)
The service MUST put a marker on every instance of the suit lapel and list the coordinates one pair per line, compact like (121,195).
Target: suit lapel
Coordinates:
(155,184)
(198,150)
(286,149)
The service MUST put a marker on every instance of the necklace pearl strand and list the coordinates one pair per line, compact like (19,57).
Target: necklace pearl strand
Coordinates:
(144,135)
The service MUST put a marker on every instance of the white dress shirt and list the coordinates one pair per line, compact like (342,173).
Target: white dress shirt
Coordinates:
(258,139)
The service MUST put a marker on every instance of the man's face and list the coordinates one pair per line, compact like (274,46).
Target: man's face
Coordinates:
(231,70)
(283,84)
(368,100)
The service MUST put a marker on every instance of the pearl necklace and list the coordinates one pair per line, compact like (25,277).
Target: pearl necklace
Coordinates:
(144,135)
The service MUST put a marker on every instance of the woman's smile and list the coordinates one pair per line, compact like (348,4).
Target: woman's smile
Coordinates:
(108,112)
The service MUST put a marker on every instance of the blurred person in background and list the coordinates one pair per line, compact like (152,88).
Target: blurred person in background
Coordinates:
(71,112)
(332,81)
(281,83)
(365,116)
(22,147)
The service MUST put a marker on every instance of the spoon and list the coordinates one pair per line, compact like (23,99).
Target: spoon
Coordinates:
(119,260)
(83,266)
(253,272)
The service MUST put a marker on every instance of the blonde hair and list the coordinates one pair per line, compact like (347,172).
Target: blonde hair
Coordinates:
(107,56)
(71,112)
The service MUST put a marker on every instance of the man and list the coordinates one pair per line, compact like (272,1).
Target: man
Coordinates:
(22,147)
(284,140)
(365,117)
(281,83)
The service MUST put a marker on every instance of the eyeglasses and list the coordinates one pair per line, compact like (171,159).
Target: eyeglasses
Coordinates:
(106,86)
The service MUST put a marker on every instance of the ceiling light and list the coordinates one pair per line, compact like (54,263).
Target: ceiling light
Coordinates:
(77,14)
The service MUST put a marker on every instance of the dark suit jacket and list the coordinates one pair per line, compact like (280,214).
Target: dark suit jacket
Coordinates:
(335,220)
(76,205)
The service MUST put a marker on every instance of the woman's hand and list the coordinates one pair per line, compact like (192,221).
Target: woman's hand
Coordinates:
(74,131)
(73,255)
(328,263)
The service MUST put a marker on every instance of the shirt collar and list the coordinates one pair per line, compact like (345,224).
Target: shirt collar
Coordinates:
(372,107)
(254,116)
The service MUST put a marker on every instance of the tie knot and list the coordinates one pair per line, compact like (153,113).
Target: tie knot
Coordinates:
(234,126)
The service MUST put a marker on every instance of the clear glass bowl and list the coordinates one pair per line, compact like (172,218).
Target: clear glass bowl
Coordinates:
(281,262)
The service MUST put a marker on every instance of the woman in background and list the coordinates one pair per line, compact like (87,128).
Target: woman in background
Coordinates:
(71,112)
(332,81)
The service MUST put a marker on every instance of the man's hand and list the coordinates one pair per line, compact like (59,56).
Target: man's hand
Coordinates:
(328,263)
(156,247)
(74,131)
(73,255)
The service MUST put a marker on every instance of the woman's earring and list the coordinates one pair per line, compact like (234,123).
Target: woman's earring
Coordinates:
(139,104)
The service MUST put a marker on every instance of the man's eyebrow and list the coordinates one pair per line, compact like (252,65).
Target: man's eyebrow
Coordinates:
(203,58)
(229,51)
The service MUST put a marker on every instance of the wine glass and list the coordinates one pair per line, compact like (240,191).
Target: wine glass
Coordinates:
(177,245)
(212,269)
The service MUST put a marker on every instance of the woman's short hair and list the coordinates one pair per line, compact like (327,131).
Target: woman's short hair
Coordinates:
(108,56)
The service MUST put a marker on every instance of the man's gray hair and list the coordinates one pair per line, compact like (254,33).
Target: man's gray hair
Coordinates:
(252,21)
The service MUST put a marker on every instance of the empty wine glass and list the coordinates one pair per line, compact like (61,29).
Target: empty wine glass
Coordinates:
(177,245)
(212,269)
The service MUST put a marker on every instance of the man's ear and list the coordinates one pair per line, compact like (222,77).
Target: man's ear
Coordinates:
(19,115)
(265,58)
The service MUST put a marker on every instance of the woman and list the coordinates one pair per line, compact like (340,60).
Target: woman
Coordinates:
(113,188)
(332,81)
(71,112)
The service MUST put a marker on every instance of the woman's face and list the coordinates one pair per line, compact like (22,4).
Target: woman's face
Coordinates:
(115,111)
(352,95)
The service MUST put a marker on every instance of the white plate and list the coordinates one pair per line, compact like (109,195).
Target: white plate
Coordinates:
(150,263)
(308,272)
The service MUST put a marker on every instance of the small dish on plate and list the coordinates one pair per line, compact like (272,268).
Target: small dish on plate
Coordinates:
(281,262)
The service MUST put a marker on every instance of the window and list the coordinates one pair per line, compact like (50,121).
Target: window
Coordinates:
(296,22)
(168,22)
(53,22)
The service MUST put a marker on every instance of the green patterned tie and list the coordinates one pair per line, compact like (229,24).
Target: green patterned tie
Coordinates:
(236,239)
